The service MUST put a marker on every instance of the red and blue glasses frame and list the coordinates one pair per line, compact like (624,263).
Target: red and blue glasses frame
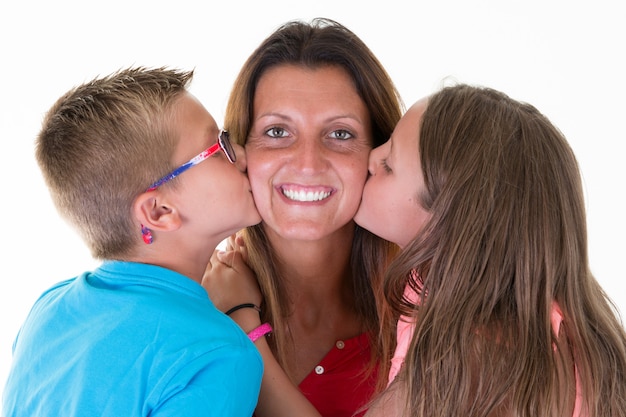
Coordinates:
(223,143)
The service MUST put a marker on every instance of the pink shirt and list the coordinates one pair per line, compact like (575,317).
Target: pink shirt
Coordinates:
(405,334)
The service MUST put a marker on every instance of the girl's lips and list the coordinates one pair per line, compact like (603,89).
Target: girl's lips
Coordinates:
(305,194)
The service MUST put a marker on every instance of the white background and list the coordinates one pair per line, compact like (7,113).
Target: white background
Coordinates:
(565,57)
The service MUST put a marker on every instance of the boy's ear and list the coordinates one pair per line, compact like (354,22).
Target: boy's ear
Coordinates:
(153,211)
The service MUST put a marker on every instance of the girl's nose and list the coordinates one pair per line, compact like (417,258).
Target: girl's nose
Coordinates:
(240,152)
(373,161)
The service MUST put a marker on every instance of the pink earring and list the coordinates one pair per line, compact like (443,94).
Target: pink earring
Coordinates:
(146,234)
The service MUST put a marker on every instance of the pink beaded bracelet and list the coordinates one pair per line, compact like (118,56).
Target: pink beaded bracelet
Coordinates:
(262,330)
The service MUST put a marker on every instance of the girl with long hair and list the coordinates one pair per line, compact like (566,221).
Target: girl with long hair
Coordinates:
(497,311)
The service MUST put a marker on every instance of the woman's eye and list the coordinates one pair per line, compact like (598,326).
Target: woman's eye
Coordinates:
(276,132)
(386,167)
(341,134)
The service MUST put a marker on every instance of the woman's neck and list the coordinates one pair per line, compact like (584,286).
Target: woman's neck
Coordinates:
(318,268)
(317,276)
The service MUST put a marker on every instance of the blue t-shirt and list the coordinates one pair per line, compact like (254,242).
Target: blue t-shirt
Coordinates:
(127,340)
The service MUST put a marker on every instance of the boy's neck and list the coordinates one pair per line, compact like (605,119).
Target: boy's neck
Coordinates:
(180,258)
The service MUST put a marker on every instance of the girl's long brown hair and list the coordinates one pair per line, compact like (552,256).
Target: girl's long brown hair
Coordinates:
(507,239)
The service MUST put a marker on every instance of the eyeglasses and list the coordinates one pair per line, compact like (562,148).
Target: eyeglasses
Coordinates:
(223,143)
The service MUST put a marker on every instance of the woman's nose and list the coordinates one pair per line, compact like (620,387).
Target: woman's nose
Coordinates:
(310,154)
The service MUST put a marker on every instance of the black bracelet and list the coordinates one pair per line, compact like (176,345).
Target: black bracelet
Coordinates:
(240,306)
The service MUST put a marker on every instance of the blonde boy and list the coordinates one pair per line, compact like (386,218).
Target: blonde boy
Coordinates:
(138,336)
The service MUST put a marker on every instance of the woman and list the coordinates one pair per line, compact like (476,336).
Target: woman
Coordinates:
(309,104)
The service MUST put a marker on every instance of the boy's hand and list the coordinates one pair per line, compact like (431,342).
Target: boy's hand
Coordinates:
(229,281)
(235,242)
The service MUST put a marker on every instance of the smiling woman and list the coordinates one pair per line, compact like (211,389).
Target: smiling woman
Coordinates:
(319,100)
(309,138)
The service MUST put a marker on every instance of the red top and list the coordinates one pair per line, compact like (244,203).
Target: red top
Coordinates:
(338,385)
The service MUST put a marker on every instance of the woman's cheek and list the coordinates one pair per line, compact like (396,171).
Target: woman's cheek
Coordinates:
(260,183)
